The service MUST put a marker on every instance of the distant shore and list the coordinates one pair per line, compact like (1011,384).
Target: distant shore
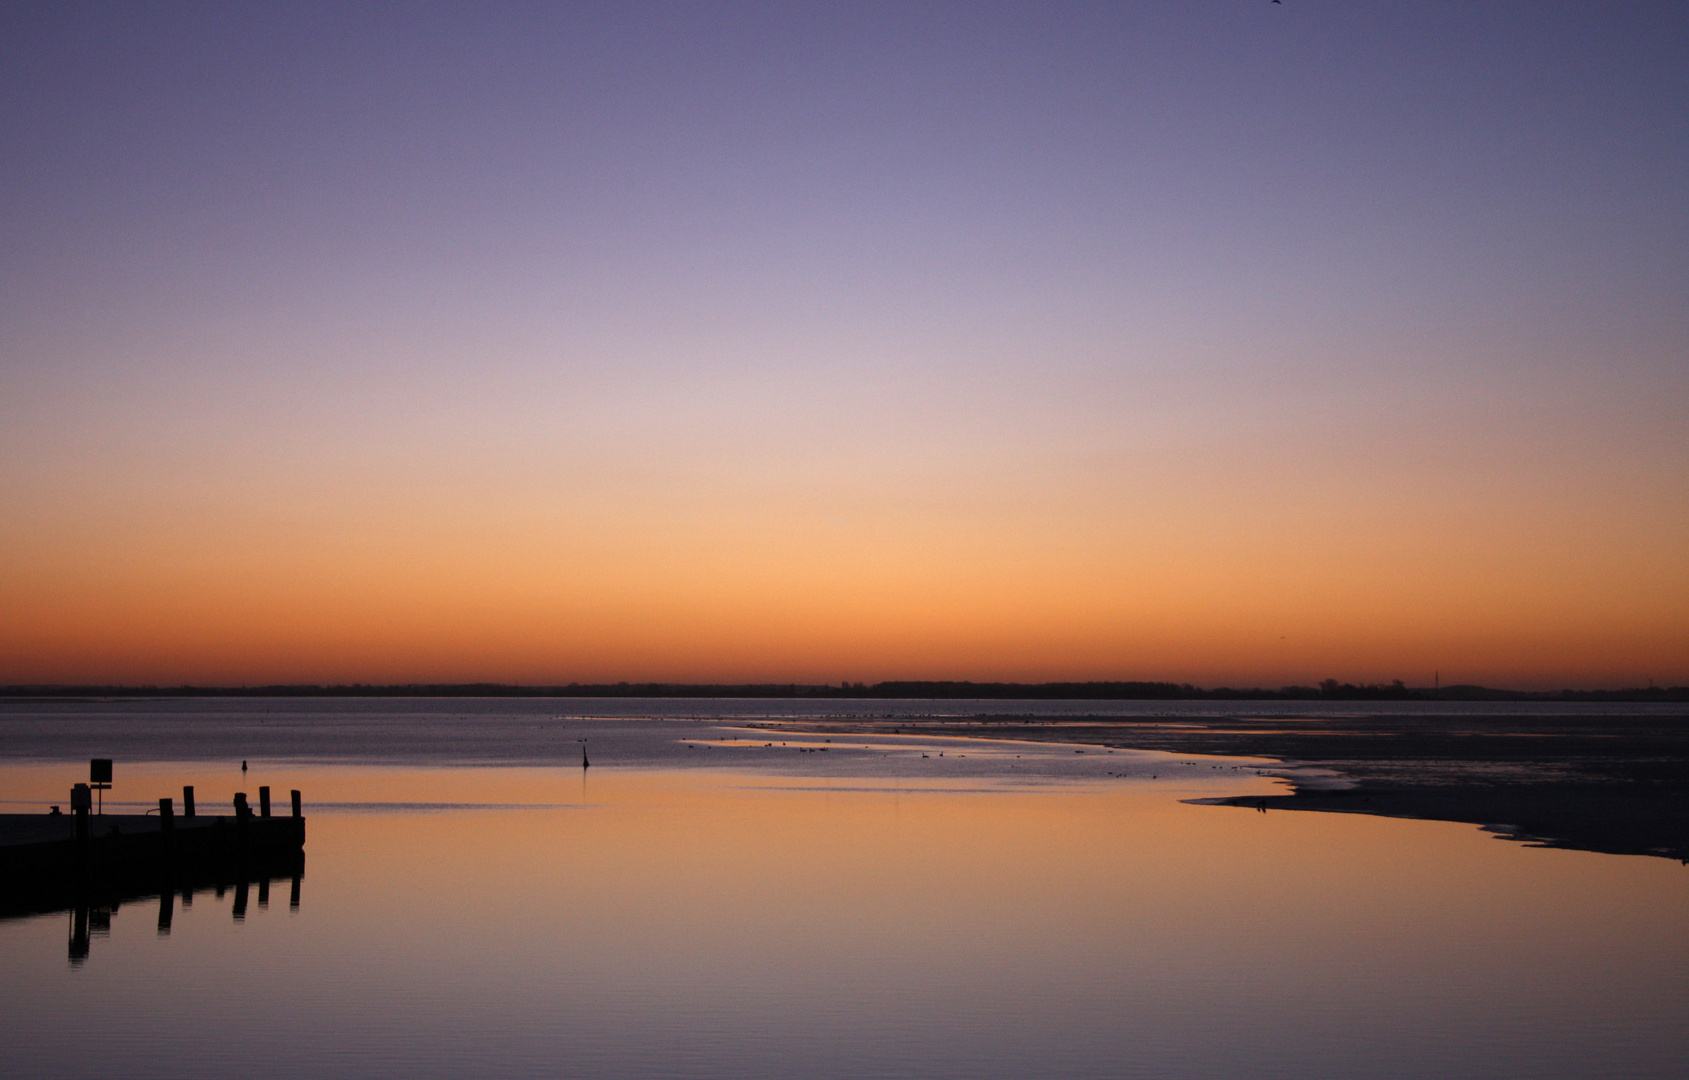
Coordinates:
(1328,690)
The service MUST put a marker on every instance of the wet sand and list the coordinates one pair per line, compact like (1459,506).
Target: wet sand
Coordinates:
(1614,784)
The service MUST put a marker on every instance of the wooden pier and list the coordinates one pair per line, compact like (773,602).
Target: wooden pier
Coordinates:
(49,862)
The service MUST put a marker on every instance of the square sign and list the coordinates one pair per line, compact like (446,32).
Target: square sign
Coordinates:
(99,770)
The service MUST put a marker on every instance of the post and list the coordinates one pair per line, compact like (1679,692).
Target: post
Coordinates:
(240,900)
(263,892)
(166,911)
(264,801)
(242,811)
(81,801)
(293,894)
(166,823)
(187,800)
(297,812)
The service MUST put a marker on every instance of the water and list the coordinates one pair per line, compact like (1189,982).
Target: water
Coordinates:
(476,904)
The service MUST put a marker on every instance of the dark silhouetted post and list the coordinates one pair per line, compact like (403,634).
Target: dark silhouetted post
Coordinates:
(187,800)
(81,801)
(166,816)
(293,893)
(264,801)
(242,811)
(263,893)
(240,900)
(166,911)
(297,812)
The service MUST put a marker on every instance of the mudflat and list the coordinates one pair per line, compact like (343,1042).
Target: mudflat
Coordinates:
(1610,783)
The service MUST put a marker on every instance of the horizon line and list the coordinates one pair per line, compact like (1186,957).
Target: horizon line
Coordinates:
(934,689)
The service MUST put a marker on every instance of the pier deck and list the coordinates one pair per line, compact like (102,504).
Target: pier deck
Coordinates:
(43,866)
(25,829)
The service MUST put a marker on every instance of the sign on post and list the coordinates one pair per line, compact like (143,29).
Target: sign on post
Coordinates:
(99,778)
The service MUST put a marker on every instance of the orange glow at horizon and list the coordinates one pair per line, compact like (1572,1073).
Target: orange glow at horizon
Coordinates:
(1213,572)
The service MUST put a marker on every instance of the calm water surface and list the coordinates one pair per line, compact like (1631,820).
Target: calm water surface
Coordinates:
(713,900)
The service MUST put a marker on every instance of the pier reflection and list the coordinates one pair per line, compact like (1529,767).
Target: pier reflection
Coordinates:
(91,904)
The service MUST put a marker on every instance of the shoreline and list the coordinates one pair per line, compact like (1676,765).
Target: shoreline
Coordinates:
(1618,785)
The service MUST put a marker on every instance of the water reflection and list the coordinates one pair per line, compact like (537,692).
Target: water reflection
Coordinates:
(879,915)
(92,902)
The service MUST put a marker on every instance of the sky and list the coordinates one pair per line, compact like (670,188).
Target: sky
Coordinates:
(1225,342)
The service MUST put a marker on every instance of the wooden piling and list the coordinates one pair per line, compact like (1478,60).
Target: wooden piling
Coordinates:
(264,802)
(81,803)
(242,811)
(187,800)
(297,812)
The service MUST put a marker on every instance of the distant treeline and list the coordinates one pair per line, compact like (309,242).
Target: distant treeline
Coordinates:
(1328,690)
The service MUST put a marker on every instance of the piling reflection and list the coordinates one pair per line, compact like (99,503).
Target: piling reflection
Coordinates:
(92,903)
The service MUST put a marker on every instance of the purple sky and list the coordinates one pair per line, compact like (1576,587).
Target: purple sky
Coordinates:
(966,281)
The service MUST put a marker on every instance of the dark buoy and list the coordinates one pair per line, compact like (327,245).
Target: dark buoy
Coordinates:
(243,765)
(585,764)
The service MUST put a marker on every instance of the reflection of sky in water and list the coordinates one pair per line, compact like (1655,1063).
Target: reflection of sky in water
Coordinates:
(858,914)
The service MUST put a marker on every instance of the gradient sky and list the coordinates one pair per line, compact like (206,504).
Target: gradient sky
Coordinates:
(1230,342)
